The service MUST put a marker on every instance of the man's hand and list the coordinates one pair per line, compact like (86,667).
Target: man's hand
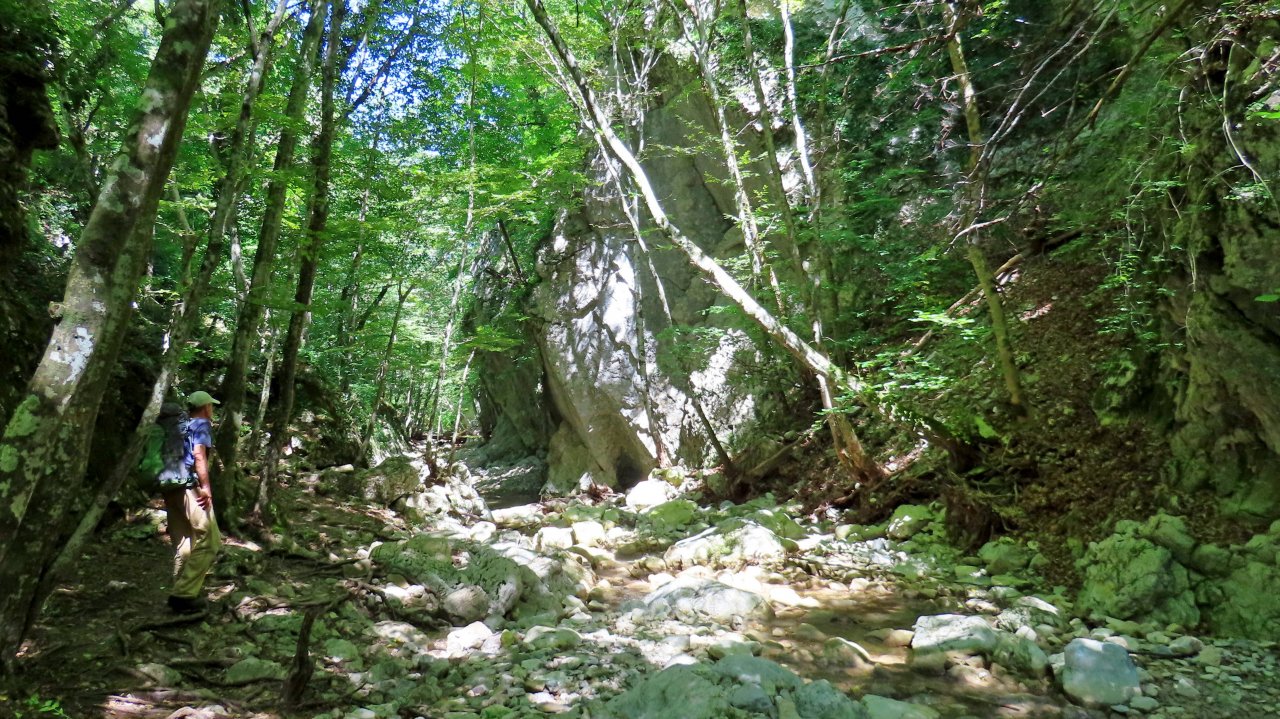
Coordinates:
(204,498)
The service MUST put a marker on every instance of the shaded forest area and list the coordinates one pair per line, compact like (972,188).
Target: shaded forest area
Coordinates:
(1012,265)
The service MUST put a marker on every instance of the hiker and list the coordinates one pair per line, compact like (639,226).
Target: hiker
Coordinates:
(189,504)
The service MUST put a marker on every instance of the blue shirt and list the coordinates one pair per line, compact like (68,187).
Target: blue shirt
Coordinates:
(199,432)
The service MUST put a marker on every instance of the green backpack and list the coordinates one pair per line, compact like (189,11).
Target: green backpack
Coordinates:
(162,455)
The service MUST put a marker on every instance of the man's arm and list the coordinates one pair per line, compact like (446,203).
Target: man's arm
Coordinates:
(204,495)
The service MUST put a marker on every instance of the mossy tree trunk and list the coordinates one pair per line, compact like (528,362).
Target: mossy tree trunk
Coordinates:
(45,449)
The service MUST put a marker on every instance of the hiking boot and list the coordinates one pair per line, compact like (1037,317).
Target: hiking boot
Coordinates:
(187,605)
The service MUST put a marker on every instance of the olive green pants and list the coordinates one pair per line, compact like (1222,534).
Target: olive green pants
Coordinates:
(195,536)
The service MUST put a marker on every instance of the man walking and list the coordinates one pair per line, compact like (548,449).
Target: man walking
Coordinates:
(192,527)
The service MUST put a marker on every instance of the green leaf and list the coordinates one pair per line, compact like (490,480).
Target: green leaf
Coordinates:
(1272,297)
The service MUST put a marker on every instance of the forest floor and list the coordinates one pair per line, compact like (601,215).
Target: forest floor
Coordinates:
(607,593)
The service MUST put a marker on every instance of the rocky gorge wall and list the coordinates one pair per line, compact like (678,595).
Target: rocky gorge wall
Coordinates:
(620,345)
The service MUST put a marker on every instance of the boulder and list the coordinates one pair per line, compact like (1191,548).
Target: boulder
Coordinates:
(842,653)
(450,495)
(732,543)
(394,478)
(1099,674)
(510,485)
(1020,654)
(553,538)
(467,603)
(1246,603)
(747,669)
(821,700)
(954,632)
(1003,556)
(1129,577)
(907,520)
(690,599)
(649,493)
(556,638)
(589,533)
(461,641)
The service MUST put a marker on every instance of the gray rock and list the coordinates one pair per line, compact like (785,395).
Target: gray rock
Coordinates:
(1004,555)
(588,533)
(649,493)
(954,632)
(745,669)
(1185,646)
(840,652)
(467,603)
(341,650)
(751,698)
(1021,654)
(730,544)
(1144,704)
(1128,577)
(553,538)
(1098,674)
(690,599)
(459,641)
(552,638)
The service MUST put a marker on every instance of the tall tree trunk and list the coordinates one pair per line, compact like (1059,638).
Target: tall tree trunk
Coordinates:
(380,389)
(45,448)
(249,318)
(309,254)
(182,321)
(971,205)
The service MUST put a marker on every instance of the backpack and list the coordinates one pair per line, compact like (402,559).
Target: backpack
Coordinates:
(162,456)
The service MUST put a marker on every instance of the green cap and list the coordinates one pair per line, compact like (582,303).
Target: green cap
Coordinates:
(201,398)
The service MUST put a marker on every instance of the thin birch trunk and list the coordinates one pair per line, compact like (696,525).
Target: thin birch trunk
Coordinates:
(249,318)
(971,203)
(350,299)
(45,447)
